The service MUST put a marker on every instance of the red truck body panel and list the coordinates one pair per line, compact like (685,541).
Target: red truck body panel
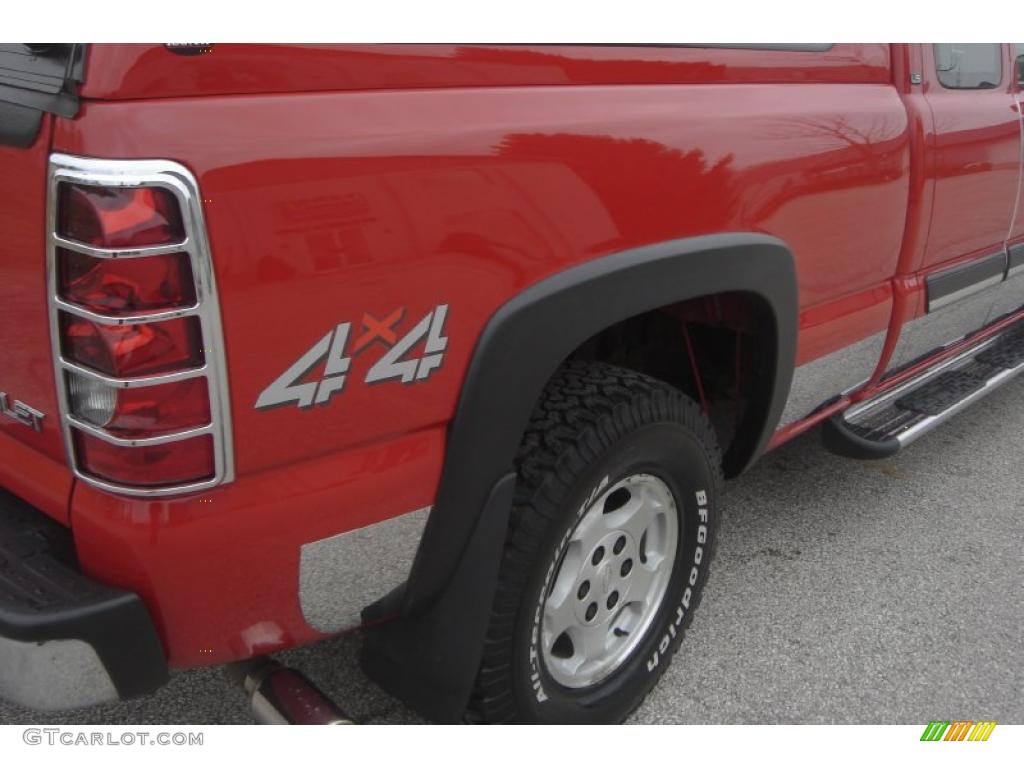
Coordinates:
(32,462)
(358,183)
(323,207)
(150,71)
(372,202)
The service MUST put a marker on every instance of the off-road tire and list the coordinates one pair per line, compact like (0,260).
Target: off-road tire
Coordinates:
(594,425)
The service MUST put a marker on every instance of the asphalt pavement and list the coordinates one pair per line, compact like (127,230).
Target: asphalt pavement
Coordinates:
(842,592)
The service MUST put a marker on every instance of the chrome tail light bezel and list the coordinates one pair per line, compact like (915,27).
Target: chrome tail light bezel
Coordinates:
(182,184)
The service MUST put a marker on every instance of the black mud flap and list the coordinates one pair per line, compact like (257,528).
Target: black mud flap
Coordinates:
(430,660)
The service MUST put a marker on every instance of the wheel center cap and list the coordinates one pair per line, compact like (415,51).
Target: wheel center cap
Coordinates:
(604,576)
(592,621)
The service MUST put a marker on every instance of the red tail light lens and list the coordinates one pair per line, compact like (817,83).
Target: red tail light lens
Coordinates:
(138,343)
(184,461)
(119,217)
(140,411)
(120,287)
(135,349)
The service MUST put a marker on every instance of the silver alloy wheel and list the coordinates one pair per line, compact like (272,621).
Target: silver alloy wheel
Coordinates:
(611,581)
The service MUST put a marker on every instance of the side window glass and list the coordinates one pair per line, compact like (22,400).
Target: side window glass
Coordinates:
(1020,66)
(968,65)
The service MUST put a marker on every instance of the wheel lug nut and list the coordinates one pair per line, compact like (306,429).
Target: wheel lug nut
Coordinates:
(613,598)
(583,590)
(620,544)
(627,566)
(598,555)
(591,611)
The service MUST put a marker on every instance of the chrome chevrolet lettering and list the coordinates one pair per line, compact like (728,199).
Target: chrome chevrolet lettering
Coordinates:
(22,413)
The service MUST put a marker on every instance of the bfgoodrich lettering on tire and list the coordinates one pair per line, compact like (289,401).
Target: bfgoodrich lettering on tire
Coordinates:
(607,552)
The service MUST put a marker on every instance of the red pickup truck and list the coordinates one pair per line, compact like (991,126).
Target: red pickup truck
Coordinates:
(458,342)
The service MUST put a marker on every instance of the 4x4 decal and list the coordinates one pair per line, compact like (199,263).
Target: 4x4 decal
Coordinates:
(334,346)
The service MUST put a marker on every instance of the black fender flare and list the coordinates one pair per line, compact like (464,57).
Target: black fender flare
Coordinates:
(430,655)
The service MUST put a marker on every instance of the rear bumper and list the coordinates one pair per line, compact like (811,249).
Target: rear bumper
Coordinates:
(65,640)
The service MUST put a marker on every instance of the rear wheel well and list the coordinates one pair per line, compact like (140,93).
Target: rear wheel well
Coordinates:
(718,349)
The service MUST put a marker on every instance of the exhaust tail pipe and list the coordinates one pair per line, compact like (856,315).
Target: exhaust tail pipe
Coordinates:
(280,695)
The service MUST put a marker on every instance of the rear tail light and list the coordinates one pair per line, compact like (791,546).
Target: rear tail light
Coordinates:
(184,461)
(118,217)
(132,349)
(140,411)
(136,328)
(120,287)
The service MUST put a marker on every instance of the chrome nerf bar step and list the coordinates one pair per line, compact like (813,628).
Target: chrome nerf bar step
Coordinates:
(880,427)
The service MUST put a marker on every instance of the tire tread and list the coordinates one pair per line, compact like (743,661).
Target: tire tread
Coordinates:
(584,408)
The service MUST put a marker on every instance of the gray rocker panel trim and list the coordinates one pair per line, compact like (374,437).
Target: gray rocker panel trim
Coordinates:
(342,574)
(951,285)
(830,376)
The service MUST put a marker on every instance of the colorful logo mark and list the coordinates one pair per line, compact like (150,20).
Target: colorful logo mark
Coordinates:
(958,730)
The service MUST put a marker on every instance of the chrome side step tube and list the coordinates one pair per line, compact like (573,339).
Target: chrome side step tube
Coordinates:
(878,428)
(931,422)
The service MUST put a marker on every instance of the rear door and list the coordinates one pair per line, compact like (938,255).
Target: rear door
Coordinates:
(975,167)
(1010,295)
